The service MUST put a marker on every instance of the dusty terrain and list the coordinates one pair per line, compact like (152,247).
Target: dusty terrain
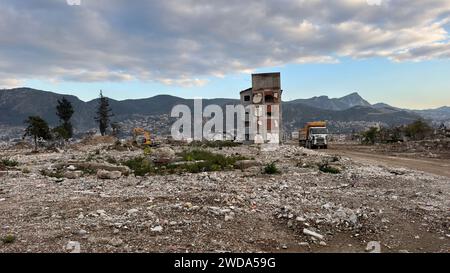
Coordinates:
(228,211)
(439,165)
(433,148)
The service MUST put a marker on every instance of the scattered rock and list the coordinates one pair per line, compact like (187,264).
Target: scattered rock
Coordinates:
(82,232)
(108,175)
(229,217)
(95,167)
(73,175)
(246,164)
(132,211)
(163,155)
(73,247)
(313,234)
(157,229)
(116,242)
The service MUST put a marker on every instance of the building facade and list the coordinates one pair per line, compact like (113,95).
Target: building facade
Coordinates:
(263,116)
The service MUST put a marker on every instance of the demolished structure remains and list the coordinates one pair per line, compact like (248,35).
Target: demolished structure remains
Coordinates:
(265,97)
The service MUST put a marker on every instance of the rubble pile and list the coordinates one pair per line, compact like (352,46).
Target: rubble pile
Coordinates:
(86,195)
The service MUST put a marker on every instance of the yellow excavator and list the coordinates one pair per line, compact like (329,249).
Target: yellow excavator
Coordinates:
(141,136)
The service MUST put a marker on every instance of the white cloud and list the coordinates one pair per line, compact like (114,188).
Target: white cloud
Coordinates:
(9,83)
(185,42)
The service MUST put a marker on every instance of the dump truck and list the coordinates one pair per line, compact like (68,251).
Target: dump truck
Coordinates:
(314,135)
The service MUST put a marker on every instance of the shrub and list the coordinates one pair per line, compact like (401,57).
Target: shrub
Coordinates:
(9,162)
(147,150)
(370,136)
(325,168)
(271,169)
(214,144)
(209,161)
(197,161)
(418,130)
(140,166)
(55,174)
(9,239)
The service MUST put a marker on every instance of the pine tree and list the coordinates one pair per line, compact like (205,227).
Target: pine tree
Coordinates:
(65,112)
(103,114)
(37,128)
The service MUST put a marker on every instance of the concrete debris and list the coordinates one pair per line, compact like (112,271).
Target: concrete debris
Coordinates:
(94,166)
(246,164)
(312,233)
(157,229)
(82,232)
(132,211)
(73,174)
(102,174)
(73,247)
(236,210)
(117,242)
(163,155)
(229,217)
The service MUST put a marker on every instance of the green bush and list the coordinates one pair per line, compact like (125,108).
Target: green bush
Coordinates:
(271,169)
(418,130)
(140,166)
(9,239)
(147,150)
(214,144)
(210,162)
(370,136)
(325,168)
(9,162)
(197,161)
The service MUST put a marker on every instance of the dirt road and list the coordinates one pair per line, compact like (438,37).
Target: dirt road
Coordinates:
(434,166)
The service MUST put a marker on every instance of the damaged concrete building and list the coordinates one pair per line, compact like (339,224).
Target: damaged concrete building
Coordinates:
(263,118)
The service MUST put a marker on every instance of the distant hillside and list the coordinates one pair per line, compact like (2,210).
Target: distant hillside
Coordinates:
(296,117)
(17,104)
(337,104)
(440,114)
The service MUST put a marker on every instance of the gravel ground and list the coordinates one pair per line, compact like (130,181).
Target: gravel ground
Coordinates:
(229,211)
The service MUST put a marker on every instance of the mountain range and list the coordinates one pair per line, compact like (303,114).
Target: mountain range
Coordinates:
(17,104)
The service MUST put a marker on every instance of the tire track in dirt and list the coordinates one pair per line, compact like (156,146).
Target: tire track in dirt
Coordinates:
(439,167)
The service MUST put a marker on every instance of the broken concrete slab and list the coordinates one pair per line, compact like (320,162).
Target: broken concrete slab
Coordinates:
(112,175)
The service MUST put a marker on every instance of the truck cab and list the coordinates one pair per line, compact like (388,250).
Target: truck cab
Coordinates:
(318,137)
(314,135)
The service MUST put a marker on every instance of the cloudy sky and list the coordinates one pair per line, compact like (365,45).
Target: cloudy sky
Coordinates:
(395,51)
